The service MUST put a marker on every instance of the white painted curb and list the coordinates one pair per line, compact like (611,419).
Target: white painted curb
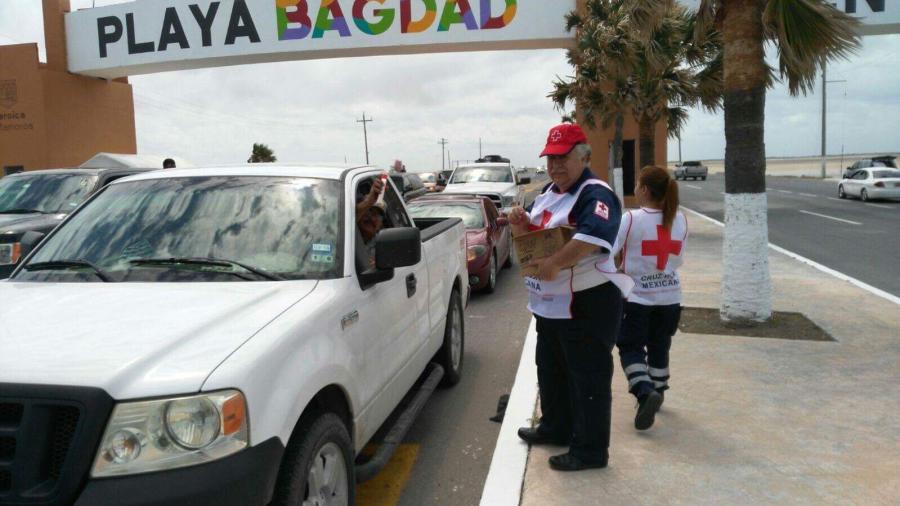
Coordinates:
(840,275)
(503,486)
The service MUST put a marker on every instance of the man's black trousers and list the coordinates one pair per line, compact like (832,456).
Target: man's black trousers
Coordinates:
(575,368)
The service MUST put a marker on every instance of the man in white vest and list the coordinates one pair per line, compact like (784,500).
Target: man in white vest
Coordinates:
(578,309)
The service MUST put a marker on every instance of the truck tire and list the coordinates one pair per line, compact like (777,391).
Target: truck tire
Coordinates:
(703,178)
(492,274)
(450,356)
(321,441)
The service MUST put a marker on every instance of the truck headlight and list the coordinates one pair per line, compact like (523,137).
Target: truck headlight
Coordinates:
(10,253)
(164,434)
(508,200)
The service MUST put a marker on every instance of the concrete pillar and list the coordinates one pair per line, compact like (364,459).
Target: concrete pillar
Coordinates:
(55,33)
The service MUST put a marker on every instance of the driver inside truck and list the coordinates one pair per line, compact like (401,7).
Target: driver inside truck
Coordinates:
(370,216)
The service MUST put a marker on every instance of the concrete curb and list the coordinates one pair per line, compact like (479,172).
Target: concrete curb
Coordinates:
(503,486)
(840,275)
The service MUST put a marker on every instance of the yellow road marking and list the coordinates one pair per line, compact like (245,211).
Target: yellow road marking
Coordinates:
(385,488)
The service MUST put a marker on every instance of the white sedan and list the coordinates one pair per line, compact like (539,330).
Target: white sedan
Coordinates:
(874,183)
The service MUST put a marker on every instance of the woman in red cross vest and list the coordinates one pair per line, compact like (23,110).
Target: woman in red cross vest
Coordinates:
(651,244)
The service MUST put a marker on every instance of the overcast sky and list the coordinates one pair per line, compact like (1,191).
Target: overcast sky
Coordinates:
(306,111)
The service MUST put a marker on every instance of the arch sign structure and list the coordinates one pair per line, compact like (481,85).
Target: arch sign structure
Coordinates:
(159,35)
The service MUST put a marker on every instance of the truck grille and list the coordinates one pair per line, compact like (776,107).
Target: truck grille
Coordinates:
(47,440)
(494,198)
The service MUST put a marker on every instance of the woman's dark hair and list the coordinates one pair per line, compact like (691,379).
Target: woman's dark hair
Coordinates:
(663,190)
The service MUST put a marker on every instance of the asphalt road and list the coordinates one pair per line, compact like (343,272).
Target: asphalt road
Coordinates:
(445,457)
(805,216)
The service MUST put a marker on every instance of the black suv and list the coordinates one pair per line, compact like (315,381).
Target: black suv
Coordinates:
(38,201)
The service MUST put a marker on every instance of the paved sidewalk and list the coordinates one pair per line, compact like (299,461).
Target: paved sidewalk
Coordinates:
(757,421)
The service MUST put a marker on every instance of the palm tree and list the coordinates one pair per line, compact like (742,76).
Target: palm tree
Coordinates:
(806,34)
(262,154)
(642,56)
(604,32)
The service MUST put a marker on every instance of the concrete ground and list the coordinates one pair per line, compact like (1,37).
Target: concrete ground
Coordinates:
(757,421)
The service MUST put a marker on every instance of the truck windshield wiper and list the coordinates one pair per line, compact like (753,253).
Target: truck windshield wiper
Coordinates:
(22,211)
(215,262)
(60,265)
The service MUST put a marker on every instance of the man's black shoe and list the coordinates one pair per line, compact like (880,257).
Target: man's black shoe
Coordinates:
(569,462)
(648,405)
(534,437)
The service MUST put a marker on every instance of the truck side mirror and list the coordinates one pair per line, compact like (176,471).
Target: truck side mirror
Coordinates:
(524,180)
(398,247)
(29,241)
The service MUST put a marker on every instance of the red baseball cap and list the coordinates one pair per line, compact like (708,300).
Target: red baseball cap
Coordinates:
(563,138)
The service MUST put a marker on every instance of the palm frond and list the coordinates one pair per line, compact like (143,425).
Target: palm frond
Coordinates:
(808,33)
(676,119)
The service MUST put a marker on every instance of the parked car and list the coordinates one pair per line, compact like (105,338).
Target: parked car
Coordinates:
(693,170)
(497,181)
(218,336)
(488,236)
(409,184)
(866,163)
(38,201)
(868,184)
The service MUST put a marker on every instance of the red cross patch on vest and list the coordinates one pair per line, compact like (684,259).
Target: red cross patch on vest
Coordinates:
(661,248)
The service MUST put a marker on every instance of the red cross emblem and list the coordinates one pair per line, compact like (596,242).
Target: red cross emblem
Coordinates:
(661,248)
(545,220)
(556,136)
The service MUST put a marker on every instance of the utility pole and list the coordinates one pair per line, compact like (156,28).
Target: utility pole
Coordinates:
(443,144)
(825,83)
(679,148)
(479,147)
(365,133)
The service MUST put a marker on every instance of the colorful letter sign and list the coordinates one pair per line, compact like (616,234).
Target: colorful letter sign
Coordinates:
(144,37)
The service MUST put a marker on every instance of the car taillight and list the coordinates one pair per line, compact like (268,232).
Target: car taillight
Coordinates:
(880,184)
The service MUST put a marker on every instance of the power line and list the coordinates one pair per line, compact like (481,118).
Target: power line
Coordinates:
(365,133)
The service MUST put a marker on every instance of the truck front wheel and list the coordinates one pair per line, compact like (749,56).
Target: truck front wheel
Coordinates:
(318,465)
(450,355)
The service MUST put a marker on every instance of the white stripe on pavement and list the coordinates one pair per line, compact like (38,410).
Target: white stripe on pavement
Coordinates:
(785,191)
(503,486)
(830,217)
(694,187)
(807,194)
(880,206)
(816,265)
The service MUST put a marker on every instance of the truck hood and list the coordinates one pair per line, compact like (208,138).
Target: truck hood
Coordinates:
(19,223)
(473,188)
(133,340)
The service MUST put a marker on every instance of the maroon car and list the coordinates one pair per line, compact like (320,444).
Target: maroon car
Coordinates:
(488,238)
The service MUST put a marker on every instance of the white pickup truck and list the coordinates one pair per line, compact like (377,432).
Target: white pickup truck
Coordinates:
(497,181)
(220,336)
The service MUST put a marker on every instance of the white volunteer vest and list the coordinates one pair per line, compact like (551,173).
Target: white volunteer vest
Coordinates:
(553,299)
(651,255)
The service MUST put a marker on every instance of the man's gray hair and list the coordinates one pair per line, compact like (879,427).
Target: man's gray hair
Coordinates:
(583,151)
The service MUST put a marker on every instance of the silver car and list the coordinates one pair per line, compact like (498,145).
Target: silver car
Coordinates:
(868,184)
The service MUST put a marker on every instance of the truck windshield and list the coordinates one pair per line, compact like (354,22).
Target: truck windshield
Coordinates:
(44,193)
(478,174)
(471,214)
(223,228)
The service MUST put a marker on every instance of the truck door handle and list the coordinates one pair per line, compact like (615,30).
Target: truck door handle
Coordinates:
(411,283)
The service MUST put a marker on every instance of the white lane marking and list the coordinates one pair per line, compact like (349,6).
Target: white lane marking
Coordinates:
(503,486)
(694,187)
(785,191)
(827,270)
(880,206)
(807,194)
(769,189)
(830,217)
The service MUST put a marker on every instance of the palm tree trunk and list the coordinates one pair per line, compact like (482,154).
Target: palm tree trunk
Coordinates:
(746,287)
(617,152)
(647,132)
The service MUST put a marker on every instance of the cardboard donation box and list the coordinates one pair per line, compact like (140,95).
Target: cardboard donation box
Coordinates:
(540,244)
